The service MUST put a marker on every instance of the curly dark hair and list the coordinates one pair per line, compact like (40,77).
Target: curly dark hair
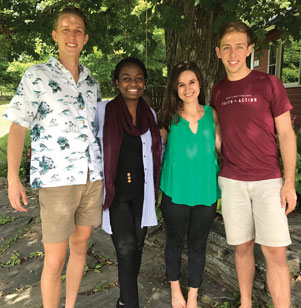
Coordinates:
(172,103)
(126,61)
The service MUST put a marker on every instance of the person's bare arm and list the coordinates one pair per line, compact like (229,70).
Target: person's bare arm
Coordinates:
(288,150)
(218,134)
(15,145)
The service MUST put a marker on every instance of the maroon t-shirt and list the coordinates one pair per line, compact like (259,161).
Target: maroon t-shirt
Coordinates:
(246,110)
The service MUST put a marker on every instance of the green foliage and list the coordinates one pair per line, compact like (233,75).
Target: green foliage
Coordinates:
(19,67)
(291,58)
(120,28)
(37,254)
(116,29)
(7,79)
(6,220)
(18,19)
(15,259)
(258,14)
(97,268)
(101,67)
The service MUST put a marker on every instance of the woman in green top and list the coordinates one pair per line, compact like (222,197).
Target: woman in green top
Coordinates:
(191,133)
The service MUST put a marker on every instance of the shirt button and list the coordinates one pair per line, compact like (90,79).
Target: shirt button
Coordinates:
(81,108)
(84,122)
(71,78)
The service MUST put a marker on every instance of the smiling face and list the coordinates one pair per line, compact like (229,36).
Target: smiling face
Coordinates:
(70,35)
(188,87)
(233,52)
(131,82)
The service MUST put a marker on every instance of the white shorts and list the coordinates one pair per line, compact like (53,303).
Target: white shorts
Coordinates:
(252,210)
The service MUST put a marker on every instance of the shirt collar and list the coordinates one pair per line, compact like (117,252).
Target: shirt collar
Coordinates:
(84,72)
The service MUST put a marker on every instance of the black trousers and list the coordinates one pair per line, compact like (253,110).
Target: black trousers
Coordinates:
(193,223)
(128,239)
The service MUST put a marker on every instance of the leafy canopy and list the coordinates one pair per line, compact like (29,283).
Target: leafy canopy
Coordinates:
(119,28)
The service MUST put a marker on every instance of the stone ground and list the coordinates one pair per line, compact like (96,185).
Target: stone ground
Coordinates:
(21,261)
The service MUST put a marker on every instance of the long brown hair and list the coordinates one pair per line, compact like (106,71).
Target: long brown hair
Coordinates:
(172,104)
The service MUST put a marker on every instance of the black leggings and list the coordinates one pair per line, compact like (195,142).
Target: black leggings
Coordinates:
(128,239)
(193,222)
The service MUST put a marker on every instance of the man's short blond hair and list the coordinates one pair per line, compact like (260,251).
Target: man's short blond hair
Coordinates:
(69,10)
(237,26)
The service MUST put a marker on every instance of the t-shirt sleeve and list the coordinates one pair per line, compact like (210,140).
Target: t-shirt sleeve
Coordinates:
(280,102)
(25,102)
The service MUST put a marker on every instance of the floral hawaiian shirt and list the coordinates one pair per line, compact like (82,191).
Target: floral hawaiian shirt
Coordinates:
(60,114)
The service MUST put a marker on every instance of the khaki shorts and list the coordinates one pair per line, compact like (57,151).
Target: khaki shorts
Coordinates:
(61,208)
(252,210)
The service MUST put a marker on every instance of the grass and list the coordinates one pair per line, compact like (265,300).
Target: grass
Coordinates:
(6,220)
(3,141)
(13,240)
(4,101)
(3,152)
(4,129)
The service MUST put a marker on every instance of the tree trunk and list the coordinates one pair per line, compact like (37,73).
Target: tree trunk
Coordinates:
(196,42)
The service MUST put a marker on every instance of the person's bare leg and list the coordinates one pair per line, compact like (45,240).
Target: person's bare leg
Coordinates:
(78,243)
(177,298)
(245,269)
(54,260)
(192,299)
(278,276)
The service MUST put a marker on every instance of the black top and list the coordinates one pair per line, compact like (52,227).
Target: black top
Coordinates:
(130,174)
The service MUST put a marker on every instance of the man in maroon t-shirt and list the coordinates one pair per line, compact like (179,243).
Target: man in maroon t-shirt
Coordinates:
(255,200)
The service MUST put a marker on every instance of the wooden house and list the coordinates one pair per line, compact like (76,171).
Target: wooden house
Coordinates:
(284,61)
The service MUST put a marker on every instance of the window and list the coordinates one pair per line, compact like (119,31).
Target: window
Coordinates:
(274,48)
(285,62)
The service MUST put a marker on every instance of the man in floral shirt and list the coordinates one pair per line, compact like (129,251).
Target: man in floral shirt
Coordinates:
(57,101)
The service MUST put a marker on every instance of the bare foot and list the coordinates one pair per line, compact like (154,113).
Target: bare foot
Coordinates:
(192,300)
(177,298)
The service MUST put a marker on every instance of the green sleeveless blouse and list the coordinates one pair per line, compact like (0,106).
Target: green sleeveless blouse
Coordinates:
(190,169)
